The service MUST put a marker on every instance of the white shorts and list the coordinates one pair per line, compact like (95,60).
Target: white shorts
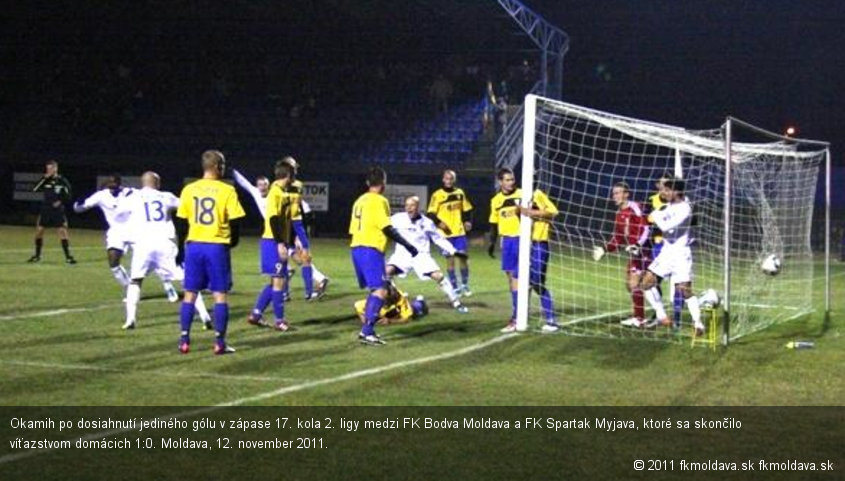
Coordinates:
(673,262)
(160,258)
(422,264)
(116,238)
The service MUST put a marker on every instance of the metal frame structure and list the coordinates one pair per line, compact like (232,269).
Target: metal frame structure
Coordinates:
(552,41)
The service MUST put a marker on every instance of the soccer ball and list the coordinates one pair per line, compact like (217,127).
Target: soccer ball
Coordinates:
(709,299)
(771,265)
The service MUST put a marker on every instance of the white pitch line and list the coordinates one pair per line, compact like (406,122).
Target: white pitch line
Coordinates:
(57,312)
(175,374)
(8,458)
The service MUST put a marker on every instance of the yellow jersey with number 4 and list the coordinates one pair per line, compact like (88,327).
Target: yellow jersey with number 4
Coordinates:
(208,205)
(370,214)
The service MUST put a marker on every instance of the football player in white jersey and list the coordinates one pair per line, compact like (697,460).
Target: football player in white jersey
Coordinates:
(150,229)
(420,231)
(675,259)
(118,243)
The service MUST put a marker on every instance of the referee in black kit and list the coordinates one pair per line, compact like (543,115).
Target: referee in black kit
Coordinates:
(56,193)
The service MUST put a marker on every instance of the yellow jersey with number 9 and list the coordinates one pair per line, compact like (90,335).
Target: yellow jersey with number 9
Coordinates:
(504,213)
(208,205)
(284,204)
(370,214)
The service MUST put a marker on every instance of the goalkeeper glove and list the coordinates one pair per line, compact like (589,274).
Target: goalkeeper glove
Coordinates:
(633,250)
(598,253)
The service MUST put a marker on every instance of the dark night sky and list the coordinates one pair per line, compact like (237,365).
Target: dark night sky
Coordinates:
(690,63)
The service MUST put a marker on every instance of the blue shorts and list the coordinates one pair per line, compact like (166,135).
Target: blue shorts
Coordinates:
(369,267)
(539,262)
(207,266)
(301,234)
(270,262)
(655,249)
(510,255)
(459,243)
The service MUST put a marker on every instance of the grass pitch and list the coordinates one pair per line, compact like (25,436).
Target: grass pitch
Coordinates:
(62,345)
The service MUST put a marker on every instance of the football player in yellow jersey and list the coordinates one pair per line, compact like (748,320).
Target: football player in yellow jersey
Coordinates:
(370,229)
(504,222)
(207,226)
(397,308)
(277,238)
(451,211)
(541,212)
(302,256)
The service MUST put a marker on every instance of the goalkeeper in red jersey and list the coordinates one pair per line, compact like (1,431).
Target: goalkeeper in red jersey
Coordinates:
(631,233)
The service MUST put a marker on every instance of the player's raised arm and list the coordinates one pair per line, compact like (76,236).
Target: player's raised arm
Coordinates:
(672,216)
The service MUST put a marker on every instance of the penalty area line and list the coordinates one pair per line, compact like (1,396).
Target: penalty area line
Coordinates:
(58,312)
(8,458)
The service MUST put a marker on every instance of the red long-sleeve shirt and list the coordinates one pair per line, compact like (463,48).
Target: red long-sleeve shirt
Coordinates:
(630,227)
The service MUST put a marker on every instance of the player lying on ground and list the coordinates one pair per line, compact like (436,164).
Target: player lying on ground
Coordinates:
(370,227)
(52,214)
(631,233)
(675,259)
(280,206)
(397,308)
(505,212)
(207,224)
(451,210)
(147,223)
(421,231)
(118,239)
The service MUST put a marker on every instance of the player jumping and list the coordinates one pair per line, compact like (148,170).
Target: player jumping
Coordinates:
(421,231)
(675,259)
(656,203)
(451,210)
(207,224)
(631,233)
(370,228)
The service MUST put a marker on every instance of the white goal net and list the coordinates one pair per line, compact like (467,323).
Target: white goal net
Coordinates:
(579,154)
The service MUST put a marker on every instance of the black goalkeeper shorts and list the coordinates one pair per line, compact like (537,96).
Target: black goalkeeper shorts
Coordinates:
(52,217)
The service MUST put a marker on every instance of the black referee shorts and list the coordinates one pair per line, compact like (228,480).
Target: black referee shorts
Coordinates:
(52,217)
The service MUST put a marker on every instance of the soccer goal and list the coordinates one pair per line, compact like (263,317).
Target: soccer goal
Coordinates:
(752,194)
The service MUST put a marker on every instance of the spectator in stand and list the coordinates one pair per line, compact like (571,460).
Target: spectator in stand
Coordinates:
(441,91)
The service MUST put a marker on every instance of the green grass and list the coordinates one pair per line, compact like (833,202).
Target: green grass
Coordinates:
(80,356)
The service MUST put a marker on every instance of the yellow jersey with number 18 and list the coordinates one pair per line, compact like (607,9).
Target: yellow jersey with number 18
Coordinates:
(370,214)
(208,205)
(503,211)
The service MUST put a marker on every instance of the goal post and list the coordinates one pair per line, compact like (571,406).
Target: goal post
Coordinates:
(752,194)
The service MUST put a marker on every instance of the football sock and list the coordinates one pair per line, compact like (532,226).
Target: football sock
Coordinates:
(221,321)
(308,279)
(678,306)
(278,304)
(465,276)
(186,316)
(446,287)
(199,305)
(66,247)
(120,275)
(452,278)
(547,304)
(133,295)
(263,300)
(513,303)
(656,302)
(318,276)
(39,243)
(371,311)
(694,309)
(637,298)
